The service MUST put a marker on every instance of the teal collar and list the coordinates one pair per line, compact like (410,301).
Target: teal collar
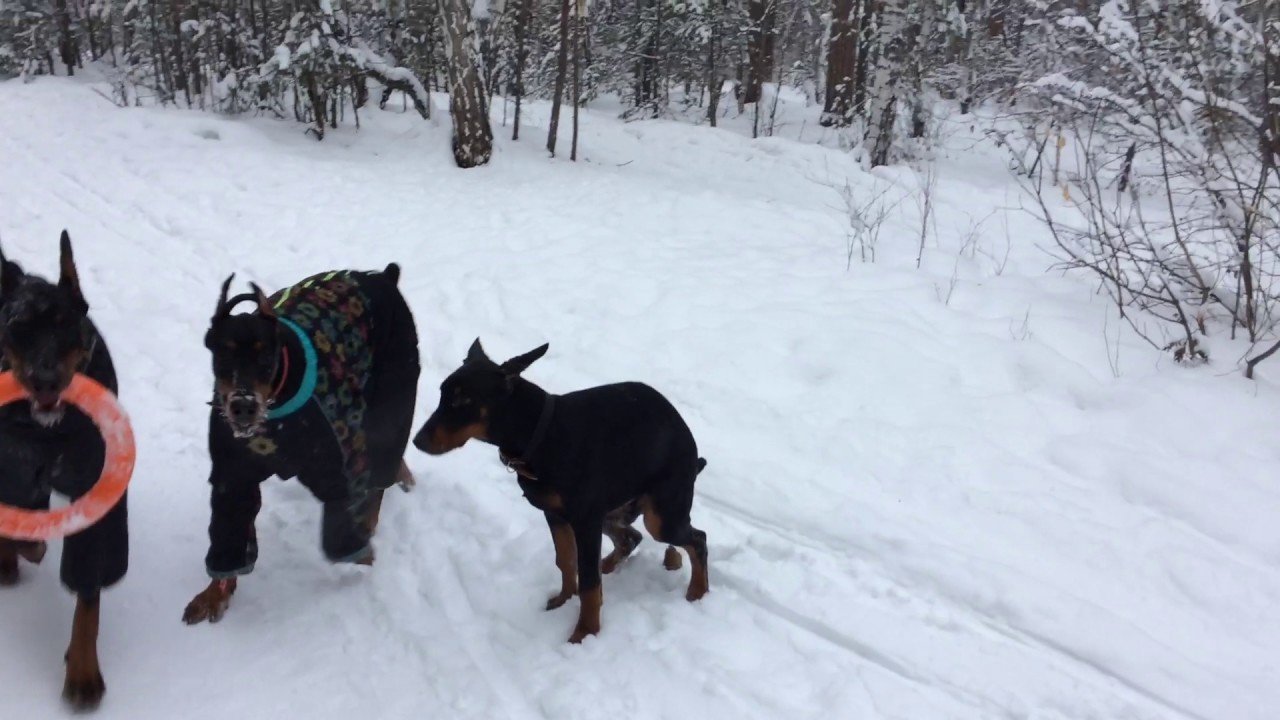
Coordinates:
(308,386)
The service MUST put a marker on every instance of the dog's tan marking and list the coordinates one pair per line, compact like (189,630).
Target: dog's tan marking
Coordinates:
(589,615)
(443,441)
(652,521)
(567,561)
(211,603)
(698,583)
(84,686)
(671,560)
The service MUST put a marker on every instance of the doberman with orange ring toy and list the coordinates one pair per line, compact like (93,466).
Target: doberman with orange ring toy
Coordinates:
(58,381)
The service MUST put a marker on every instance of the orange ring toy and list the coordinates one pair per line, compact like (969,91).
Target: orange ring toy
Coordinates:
(100,405)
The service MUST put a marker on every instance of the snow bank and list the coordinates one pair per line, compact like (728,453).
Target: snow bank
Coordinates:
(928,494)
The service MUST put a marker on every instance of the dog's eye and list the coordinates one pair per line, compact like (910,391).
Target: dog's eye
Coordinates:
(461,401)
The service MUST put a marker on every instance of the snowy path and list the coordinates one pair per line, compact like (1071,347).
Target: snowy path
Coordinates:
(915,509)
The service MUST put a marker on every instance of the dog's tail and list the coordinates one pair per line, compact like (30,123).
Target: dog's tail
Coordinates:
(702,465)
(393,273)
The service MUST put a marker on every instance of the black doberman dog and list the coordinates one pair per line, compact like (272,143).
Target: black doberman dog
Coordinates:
(47,337)
(319,384)
(592,461)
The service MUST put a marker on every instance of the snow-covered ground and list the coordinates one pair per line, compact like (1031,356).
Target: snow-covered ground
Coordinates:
(930,496)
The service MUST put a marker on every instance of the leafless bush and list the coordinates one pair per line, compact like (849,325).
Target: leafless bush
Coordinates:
(866,217)
(1166,188)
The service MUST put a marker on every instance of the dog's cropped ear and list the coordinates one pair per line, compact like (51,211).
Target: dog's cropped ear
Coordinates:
(520,363)
(222,309)
(10,276)
(264,303)
(476,353)
(69,279)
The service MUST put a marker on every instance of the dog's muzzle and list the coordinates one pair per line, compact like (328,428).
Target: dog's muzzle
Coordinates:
(245,411)
(45,390)
(427,439)
(48,412)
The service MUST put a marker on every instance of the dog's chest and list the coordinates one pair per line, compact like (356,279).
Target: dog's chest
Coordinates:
(542,495)
(303,444)
(36,460)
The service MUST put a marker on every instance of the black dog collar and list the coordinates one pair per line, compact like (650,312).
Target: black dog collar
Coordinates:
(521,466)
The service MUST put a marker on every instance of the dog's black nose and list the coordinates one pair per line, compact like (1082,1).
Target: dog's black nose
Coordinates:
(45,382)
(243,411)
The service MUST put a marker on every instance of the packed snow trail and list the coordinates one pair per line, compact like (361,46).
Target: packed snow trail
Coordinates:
(929,496)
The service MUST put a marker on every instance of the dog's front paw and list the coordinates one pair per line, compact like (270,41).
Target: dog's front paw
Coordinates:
(558,599)
(84,688)
(211,604)
(582,630)
(589,616)
(696,591)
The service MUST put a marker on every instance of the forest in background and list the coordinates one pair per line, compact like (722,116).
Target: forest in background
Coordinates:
(1148,132)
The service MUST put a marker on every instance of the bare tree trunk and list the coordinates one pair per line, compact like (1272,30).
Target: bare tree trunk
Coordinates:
(963,53)
(160,58)
(919,32)
(318,103)
(577,74)
(762,15)
(1270,135)
(562,68)
(524,13)
(888,68)
(66,42)
(842,64)
(179,62)
(472,136)
(868,20)
(662,79)
(715,81)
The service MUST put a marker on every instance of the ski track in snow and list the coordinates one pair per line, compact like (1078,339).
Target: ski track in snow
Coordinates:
(916,508)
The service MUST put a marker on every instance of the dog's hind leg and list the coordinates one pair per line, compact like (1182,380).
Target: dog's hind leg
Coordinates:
(668,522)
(9,574)
(404,477)
(373,512)
(392,391)
(671,559)
(84,686)
(695,545)
(33,552)
(11,550)
(617,525)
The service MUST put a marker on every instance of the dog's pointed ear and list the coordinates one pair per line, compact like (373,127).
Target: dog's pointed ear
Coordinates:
(69,278)
(476,352)
(264,303)
(520,363)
